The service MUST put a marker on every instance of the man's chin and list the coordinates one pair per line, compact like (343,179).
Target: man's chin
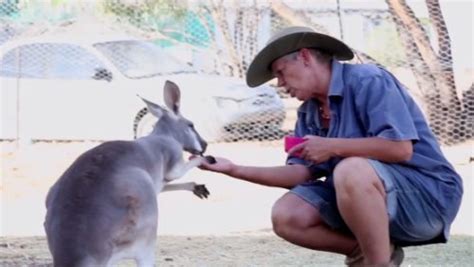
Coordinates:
(300,98)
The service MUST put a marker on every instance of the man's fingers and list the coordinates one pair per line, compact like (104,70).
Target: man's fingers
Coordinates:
(296,148)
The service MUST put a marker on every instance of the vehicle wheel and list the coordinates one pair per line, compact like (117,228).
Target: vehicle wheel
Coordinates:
(145,125)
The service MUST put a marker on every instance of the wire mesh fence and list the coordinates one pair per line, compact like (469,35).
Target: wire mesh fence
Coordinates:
(119,45)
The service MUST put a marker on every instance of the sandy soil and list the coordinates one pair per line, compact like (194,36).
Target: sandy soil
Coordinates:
(263,249)
(231,228)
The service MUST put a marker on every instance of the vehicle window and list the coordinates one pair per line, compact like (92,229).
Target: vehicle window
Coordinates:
(140,59)
(50,61)
(8,64)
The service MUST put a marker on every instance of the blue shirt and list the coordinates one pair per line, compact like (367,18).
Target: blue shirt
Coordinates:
(368,101)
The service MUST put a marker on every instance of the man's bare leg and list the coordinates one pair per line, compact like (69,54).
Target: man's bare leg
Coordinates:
(298,222)
(361,201)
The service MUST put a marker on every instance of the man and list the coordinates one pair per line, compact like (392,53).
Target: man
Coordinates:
(370,176)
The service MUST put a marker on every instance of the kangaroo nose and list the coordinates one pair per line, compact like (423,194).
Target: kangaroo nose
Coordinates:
(204,146)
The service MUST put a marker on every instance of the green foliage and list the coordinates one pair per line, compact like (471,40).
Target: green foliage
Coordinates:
(58,2)
(168,17)
(385,45)
(8,7)
(149,14)
(36,10)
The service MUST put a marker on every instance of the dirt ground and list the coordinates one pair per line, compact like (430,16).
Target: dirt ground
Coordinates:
(230,228)
(263,249)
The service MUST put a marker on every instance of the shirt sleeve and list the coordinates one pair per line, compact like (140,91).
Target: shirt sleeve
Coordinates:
(381,102)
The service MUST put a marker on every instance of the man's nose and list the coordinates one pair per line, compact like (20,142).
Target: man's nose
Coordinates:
(280,82)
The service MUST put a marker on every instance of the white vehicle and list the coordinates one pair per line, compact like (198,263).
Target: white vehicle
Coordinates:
(85,87)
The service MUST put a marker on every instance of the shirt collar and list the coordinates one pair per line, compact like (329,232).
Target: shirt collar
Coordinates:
(336,85)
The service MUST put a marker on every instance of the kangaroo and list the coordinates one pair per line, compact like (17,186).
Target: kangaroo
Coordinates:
(104,207)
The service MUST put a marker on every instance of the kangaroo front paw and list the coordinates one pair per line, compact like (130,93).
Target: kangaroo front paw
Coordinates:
(201,191)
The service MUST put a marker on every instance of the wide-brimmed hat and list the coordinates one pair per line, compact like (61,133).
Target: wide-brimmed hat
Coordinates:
(289,40)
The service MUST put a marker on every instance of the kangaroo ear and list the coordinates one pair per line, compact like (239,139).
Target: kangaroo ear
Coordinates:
(154,109)
(172,96)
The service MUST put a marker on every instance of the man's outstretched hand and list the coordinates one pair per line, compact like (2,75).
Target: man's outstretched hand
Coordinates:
(216,164)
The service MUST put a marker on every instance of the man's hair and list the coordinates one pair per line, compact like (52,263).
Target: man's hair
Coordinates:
(318,54)
(321,55)
(291,56)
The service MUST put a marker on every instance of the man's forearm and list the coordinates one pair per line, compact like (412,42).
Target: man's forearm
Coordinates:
(374,148)
(281,176)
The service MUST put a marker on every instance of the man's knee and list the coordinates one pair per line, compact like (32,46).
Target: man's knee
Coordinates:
(282,217)
(355,177)
(354,172)
(289,212)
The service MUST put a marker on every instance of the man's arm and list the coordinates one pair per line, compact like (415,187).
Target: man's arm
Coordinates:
(286,176)
(374,148)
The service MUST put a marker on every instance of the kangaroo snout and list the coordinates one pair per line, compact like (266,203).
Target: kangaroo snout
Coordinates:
(203,146)
(195,145)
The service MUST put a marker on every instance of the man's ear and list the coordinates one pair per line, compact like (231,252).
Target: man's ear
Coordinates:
(306,55)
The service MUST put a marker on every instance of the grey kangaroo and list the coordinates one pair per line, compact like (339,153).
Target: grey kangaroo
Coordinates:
(104,207)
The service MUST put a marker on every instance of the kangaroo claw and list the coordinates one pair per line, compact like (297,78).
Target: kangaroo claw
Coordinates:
(201,191)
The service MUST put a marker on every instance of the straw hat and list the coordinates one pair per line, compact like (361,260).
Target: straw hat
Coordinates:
(289,40)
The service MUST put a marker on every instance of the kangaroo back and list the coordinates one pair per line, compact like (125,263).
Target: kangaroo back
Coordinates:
(104,207)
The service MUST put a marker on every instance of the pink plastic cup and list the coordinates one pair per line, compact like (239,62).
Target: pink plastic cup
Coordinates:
(291,141)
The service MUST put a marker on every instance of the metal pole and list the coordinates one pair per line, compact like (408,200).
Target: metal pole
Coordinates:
(339,15)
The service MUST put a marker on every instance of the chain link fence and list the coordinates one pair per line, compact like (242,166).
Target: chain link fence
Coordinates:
(413,39)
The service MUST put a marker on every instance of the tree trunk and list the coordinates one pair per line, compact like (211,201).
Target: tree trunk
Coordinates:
(295,18)
(218,13)
(444,41)
(434,74)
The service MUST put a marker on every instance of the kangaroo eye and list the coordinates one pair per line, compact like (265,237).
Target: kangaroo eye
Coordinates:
(191,125)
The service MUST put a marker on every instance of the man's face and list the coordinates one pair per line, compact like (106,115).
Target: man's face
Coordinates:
(290,72)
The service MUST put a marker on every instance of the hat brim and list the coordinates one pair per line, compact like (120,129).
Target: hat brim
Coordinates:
(259,70)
